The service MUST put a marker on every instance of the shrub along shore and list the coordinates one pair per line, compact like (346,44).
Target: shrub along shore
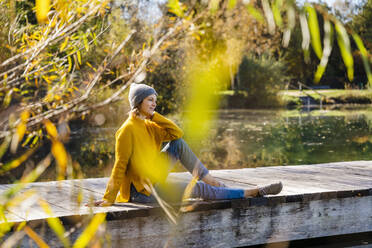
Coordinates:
(297,98)
(328,96)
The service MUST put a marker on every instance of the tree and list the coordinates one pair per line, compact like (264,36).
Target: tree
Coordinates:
(362,23)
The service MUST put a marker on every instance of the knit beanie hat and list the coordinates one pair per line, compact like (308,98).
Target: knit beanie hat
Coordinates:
(138,92)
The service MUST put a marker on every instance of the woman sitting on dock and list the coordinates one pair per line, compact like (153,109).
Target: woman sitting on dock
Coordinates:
(139,160)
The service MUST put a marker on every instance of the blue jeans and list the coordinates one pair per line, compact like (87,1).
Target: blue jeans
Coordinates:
(172,190)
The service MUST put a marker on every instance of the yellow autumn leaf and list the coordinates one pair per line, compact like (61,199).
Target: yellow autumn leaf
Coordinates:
(53,77)
(51,129)
(86,45)
(21,129)
(42,9)
(60,154)
(48,97)
(54,223)
(90,231)
(25,115)
(21,226)
(196,36)
(78,55)
(16,162)
(46,79)
(89,64)
(69,63)
(35,237)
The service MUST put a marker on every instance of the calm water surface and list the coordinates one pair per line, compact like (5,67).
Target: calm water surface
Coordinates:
(252,138)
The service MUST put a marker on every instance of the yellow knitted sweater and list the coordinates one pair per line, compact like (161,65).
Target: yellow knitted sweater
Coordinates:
(137,155)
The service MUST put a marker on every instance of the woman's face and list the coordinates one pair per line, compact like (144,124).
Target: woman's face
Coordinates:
(148,105)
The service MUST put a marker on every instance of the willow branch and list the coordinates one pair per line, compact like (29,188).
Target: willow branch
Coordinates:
(17,81)
(64,108)
(54,38)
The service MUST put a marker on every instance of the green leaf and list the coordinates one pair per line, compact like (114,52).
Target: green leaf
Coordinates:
(326,52)
(4,146)
(64,44)
(16,162)
(55,224)
(214,5)
(86,45)
(314,30)
(364,53)
(231,4)
(34,141)
(276,7)
(78,55)
(255,12)
(175,7)
(8,98)
(344,45)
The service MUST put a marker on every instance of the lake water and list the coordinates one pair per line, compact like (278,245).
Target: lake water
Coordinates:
(253,138)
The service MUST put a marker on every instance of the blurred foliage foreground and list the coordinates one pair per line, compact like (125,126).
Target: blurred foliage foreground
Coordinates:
(60,60)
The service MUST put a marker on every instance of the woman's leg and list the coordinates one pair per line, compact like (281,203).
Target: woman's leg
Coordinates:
(179,150)
(138,197)
(173,191)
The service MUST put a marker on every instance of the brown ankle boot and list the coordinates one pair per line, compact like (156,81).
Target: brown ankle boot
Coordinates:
(272,189)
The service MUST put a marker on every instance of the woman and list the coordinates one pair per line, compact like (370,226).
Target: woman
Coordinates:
(139,161)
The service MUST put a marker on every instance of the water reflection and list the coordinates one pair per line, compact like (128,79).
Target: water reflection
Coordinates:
(252,138)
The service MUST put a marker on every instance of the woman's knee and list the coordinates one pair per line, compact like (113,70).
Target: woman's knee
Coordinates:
(173,148)
(176,145)
(176,142)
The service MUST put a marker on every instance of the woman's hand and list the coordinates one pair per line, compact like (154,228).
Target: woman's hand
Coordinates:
(100,203)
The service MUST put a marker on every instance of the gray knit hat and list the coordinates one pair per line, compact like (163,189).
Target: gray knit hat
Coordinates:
(138,92)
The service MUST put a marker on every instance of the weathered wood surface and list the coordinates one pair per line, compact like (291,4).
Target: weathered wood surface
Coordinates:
(317,200)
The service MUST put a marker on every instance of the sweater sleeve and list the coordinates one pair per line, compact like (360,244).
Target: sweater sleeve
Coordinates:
(123,151)
(168,130)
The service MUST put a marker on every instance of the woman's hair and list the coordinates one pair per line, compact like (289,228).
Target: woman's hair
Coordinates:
(135,110)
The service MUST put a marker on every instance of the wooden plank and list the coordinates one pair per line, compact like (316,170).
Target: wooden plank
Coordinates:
(30,209)
(329,178)
(10,217)
(4,187)
(261,178)
(245,226)
(97,185)
(310,181)
(331,171)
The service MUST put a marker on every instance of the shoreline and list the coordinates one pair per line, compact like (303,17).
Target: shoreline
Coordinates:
(296,99)
(324,97)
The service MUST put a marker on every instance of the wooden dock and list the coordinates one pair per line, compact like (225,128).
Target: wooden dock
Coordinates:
(316,201)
